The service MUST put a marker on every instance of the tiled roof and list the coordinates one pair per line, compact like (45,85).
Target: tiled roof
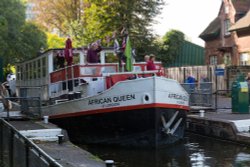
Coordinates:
(212,31)
(242,23)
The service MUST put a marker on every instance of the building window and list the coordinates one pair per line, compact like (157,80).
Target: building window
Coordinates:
(244,59)
(226,27)
(227,58)
(213,60)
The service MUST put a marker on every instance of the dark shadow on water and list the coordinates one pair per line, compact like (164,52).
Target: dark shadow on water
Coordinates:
(194,151)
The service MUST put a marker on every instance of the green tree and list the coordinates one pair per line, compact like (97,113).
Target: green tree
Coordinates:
(18,40)
(12,18)
(137,16)
(172,41)
(54,41)
(90,20)
(32,41)
(64,15)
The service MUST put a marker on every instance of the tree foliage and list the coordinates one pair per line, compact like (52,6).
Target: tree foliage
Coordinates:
(18,40)
(172,41)
(137,16)
(54,41)
(90,20)
(64,15)
(32,41)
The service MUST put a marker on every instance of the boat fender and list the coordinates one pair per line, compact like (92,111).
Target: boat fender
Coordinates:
(146,98)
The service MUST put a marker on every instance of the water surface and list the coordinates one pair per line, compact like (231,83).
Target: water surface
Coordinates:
(193,151)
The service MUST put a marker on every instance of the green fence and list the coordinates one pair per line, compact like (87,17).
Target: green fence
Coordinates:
(190,54)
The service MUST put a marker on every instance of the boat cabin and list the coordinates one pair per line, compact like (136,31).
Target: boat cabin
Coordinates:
(43,77)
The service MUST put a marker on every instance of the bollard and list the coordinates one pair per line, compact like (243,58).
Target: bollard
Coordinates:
(60,138)
(109,163)
(46,119)
(202,113)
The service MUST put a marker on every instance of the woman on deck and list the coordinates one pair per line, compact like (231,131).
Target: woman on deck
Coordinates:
(150,63)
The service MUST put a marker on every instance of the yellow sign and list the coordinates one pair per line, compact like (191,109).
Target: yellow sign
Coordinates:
(244,89)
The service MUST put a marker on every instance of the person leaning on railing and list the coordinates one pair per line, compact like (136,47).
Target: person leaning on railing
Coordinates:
(150,63)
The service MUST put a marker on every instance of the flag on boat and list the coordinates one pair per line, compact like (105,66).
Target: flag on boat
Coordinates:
(116,46)
(128,54)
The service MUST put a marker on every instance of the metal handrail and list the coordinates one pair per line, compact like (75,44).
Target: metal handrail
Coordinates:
(29,143)
(24,98)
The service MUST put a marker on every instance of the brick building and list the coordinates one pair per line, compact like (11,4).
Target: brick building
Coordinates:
(223,45)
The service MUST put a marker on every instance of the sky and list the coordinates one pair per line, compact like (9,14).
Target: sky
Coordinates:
(188,16)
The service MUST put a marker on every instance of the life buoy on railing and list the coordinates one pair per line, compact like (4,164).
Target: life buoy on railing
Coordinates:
(146,98)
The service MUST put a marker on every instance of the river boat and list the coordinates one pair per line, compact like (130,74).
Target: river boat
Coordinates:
(98,104)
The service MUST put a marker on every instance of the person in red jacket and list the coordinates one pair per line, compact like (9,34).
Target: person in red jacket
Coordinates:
(68,52)
(150,64)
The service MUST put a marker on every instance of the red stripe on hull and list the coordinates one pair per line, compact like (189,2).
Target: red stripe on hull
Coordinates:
(124,108)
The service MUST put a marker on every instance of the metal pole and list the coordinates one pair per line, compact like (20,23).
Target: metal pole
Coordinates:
(72,76)
(8,112)
(216,87)
(66,78)
(11,148)
(27,153)
(1,142)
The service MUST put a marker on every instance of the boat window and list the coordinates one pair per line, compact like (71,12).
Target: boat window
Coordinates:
(18,71)
(30,71)
(21,72)
(43,66)
(26,71)
(39,68)
(76,58)
(110,58)
(34,69)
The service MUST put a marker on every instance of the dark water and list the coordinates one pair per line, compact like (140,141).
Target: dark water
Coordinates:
(195,151)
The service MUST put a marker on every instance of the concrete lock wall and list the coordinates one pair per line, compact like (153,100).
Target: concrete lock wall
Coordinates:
(18,151)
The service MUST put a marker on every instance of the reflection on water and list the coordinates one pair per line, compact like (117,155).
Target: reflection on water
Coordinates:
(194,151)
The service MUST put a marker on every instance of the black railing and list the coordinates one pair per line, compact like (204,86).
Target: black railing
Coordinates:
(26,105)
(7,150)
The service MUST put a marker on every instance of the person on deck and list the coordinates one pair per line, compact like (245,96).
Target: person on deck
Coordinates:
(150,63)
(93,51)
(60,59)
(146,58)
(68,51)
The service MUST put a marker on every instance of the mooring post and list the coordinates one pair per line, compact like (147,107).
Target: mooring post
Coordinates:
(109,163)
(60,138)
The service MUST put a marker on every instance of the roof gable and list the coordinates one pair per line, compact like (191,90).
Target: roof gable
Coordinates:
(212,31)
